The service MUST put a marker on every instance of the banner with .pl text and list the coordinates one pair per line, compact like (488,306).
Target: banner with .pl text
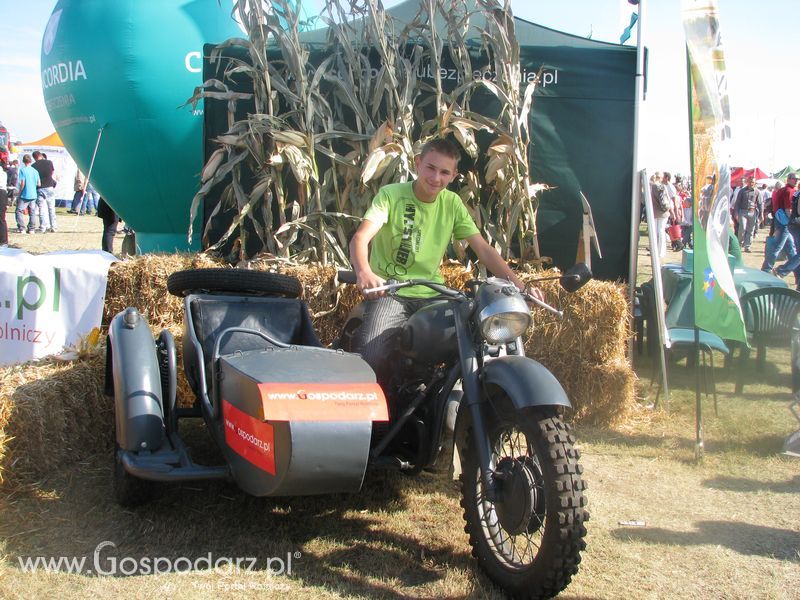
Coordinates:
(716,303)
(49,301)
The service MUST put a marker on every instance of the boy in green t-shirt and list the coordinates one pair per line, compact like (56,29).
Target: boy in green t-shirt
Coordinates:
(410,226)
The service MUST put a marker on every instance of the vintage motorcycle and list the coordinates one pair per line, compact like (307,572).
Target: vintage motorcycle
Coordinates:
(293,418)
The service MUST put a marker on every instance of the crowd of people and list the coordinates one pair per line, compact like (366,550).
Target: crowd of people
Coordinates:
(753,207)
(30,188)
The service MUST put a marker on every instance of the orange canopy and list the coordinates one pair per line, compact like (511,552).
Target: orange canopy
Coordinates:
(51,140)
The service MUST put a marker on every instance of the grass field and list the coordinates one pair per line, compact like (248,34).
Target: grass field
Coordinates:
(75,232)
(663,525)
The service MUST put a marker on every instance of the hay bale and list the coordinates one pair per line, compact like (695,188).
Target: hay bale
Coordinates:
(142,282)
(595,327)
(52,413)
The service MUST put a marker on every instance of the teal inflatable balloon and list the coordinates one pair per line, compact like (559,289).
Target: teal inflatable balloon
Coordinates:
(119,71)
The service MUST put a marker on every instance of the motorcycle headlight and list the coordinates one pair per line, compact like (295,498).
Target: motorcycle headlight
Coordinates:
(504,327)
(502,313)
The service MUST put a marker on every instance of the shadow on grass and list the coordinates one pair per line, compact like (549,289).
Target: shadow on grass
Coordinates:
(742,484)
(343,543)
(744,538)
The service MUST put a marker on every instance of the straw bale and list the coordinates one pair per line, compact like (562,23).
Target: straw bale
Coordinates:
(595,327)
(142,282)
(52,413)
(603,394)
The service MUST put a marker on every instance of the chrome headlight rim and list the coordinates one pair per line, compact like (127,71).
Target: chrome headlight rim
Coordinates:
(515,323)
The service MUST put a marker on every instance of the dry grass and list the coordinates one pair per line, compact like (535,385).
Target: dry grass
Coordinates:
(726,527)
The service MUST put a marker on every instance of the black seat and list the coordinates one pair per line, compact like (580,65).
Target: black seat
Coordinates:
(284,319)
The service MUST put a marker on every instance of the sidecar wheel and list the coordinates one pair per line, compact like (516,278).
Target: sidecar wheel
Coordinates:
(529,539)
(233,280)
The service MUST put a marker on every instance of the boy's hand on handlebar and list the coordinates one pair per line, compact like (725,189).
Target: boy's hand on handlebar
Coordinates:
(369,280)
(534,291)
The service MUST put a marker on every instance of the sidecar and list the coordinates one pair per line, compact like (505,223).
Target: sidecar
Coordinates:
(289,416)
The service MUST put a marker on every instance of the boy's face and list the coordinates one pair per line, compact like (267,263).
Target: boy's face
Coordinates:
(435,171)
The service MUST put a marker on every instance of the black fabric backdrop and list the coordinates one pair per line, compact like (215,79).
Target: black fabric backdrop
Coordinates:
(582,125)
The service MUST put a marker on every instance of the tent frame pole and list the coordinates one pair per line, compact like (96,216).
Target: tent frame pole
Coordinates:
(636,176)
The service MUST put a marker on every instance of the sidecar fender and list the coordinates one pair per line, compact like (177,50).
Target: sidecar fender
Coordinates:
(136,379)
(527,382)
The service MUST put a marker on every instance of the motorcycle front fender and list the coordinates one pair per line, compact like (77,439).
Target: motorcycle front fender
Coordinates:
(527,382)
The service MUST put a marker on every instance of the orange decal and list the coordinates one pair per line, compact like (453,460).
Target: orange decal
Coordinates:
(249,438)
(323,402)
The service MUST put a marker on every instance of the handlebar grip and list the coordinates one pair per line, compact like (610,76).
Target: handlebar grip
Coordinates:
(346,276)
(544,305)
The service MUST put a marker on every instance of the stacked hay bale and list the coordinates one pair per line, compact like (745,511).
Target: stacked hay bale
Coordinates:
(52,412)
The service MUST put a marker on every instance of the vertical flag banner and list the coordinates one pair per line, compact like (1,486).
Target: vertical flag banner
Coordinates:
(716,303)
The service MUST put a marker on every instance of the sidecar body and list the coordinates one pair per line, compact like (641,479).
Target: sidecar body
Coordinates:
(289,416)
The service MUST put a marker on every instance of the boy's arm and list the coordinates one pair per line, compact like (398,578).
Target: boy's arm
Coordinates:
(359,256)
(495,263)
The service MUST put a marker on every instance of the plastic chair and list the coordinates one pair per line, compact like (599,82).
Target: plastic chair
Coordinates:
(770,314)
(683,337)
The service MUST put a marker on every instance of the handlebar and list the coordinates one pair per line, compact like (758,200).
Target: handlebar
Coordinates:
(392,285)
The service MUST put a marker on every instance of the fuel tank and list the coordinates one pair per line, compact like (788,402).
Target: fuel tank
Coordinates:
(429,336)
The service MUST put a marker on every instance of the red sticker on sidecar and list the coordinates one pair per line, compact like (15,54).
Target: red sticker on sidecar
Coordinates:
(249,438)
(323,402)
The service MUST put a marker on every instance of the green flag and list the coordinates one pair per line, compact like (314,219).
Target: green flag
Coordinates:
(716,303)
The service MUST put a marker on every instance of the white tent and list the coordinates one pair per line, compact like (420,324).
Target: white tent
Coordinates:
(65,167)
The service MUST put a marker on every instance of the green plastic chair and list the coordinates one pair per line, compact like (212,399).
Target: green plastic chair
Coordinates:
(770,314)
(683,337)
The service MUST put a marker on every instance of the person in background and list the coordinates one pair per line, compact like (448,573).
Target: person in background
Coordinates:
(79,187)
(688,214)
(28,182)
(3,207)
(661,213)
(110,223)
(91,200)
(46,198)
(13,175)
(782,210)
(745,208)
(766,205)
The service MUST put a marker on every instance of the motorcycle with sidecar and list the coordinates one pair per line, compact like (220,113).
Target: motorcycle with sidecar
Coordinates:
(294,418)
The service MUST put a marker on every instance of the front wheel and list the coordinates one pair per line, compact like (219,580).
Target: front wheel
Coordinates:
(528,539)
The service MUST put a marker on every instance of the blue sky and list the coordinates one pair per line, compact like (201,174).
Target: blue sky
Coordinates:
(760,47)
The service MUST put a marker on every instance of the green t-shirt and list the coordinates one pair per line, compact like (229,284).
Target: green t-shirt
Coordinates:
(414,235)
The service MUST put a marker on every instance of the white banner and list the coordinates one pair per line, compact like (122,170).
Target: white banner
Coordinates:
(49,301)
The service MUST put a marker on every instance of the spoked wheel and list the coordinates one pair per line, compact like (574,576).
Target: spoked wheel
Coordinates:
(528,539)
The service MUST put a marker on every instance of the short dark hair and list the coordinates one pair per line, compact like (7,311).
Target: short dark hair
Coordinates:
(36,154)
(442,146)
(27,159)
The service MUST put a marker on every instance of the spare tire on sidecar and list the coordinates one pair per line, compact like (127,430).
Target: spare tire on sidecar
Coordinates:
(290,417)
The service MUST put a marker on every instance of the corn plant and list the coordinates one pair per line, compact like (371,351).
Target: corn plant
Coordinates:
(331,125)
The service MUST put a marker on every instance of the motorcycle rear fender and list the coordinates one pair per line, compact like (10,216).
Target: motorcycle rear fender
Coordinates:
(527,382)
(138,399)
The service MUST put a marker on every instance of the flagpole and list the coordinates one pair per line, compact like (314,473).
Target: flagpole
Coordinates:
(698,404)
(636,176)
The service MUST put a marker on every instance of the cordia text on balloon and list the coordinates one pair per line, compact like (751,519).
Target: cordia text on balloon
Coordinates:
(63,72)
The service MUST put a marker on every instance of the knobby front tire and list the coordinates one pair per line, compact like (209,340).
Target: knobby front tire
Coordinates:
(529,540)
